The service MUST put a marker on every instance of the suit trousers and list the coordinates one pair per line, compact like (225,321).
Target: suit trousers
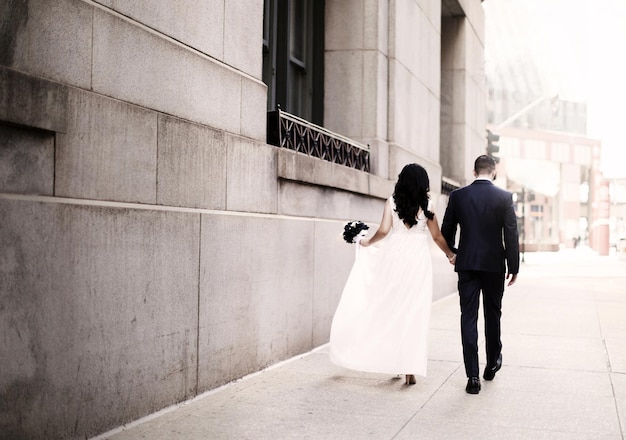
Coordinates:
(471,283)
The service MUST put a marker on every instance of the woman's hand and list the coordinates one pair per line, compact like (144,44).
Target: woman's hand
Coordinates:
(452,259)
(365,242)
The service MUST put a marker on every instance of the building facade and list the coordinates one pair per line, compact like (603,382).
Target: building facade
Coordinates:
(154,244)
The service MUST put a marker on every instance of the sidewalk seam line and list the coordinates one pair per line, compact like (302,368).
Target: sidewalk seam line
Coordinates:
(426,401)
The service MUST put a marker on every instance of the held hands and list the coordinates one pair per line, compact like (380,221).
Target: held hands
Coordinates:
(452,259)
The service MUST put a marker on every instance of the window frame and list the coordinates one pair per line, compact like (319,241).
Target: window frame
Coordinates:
(291,81)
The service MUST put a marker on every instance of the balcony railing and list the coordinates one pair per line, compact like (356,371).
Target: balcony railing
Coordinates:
(448,185)
(288,131)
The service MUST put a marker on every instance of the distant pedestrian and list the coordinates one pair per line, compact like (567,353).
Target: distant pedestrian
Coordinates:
(488,248)
(381,322)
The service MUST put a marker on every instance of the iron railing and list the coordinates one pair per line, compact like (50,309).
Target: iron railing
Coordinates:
(289,131)
(448,185)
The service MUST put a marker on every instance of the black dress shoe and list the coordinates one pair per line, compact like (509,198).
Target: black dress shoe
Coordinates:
(490,371)
(473,385)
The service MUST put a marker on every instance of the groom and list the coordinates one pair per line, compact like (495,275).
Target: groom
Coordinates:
(488,248)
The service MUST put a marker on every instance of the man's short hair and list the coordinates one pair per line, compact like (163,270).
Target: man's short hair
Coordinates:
(484,164)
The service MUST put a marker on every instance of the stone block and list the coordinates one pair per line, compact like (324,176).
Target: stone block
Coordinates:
(475,56)
(178,81)
(434,128)
(303,168)
(447,98)
(62,52)
(251,176)
(399,157)
(343,92)
(454,42)
(250,319)
(417,39)
(435,174)
(374,109)
(417,131)
(457,166)
(26,161)
(433,68)
(459,96)
(191,165)
(475,14)
(243,33)
(381,187)
(32,102)
(379,158)
(412,124)
(399,103)
(375,25)
(345,25)
(299,199)
(253,109)
(382,98)
(195,23)
(428,65)
(109,151)
(407,24)
(98,326)
(432,12)
(471,103)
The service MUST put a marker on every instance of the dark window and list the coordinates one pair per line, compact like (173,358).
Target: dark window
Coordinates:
(293,57)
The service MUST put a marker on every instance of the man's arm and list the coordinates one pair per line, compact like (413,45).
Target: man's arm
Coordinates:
(511,239)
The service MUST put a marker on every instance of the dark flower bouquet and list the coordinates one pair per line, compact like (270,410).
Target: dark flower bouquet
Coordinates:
(354,231)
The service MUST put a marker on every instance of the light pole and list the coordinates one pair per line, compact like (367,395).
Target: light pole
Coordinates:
(523,226)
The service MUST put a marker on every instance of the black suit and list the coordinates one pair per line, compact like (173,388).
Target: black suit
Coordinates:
(488,244)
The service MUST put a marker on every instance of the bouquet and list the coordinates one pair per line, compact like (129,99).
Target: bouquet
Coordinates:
(354,231)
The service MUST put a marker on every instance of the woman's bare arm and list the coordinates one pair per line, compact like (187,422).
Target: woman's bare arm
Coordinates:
(435,232)
(383,229)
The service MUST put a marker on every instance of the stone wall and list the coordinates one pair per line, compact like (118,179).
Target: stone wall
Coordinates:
(147,258)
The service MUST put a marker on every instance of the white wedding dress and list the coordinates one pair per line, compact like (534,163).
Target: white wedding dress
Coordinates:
(381,322)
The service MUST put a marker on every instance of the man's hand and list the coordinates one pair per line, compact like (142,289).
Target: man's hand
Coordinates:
(513,278)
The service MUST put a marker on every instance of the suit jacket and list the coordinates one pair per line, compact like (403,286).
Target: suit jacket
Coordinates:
(488,236)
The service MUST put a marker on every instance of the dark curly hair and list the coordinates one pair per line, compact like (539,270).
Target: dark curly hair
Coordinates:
(411,194)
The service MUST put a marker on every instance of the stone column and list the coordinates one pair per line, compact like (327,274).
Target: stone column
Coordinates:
(414,86)
(355,96)
(463,115)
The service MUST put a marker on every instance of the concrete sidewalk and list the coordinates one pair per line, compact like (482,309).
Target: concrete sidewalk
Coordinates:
(563,376)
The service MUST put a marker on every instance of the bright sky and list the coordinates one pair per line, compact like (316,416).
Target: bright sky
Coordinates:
(607,85)
(578,46)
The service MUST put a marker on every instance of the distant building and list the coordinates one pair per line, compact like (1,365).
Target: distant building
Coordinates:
(546,156)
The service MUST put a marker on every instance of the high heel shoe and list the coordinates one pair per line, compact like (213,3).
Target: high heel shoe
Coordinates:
(410,379)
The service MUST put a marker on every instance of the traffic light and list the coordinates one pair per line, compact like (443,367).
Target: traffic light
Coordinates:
(491,146)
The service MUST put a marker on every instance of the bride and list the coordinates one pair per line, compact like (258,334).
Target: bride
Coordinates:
(381,322)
